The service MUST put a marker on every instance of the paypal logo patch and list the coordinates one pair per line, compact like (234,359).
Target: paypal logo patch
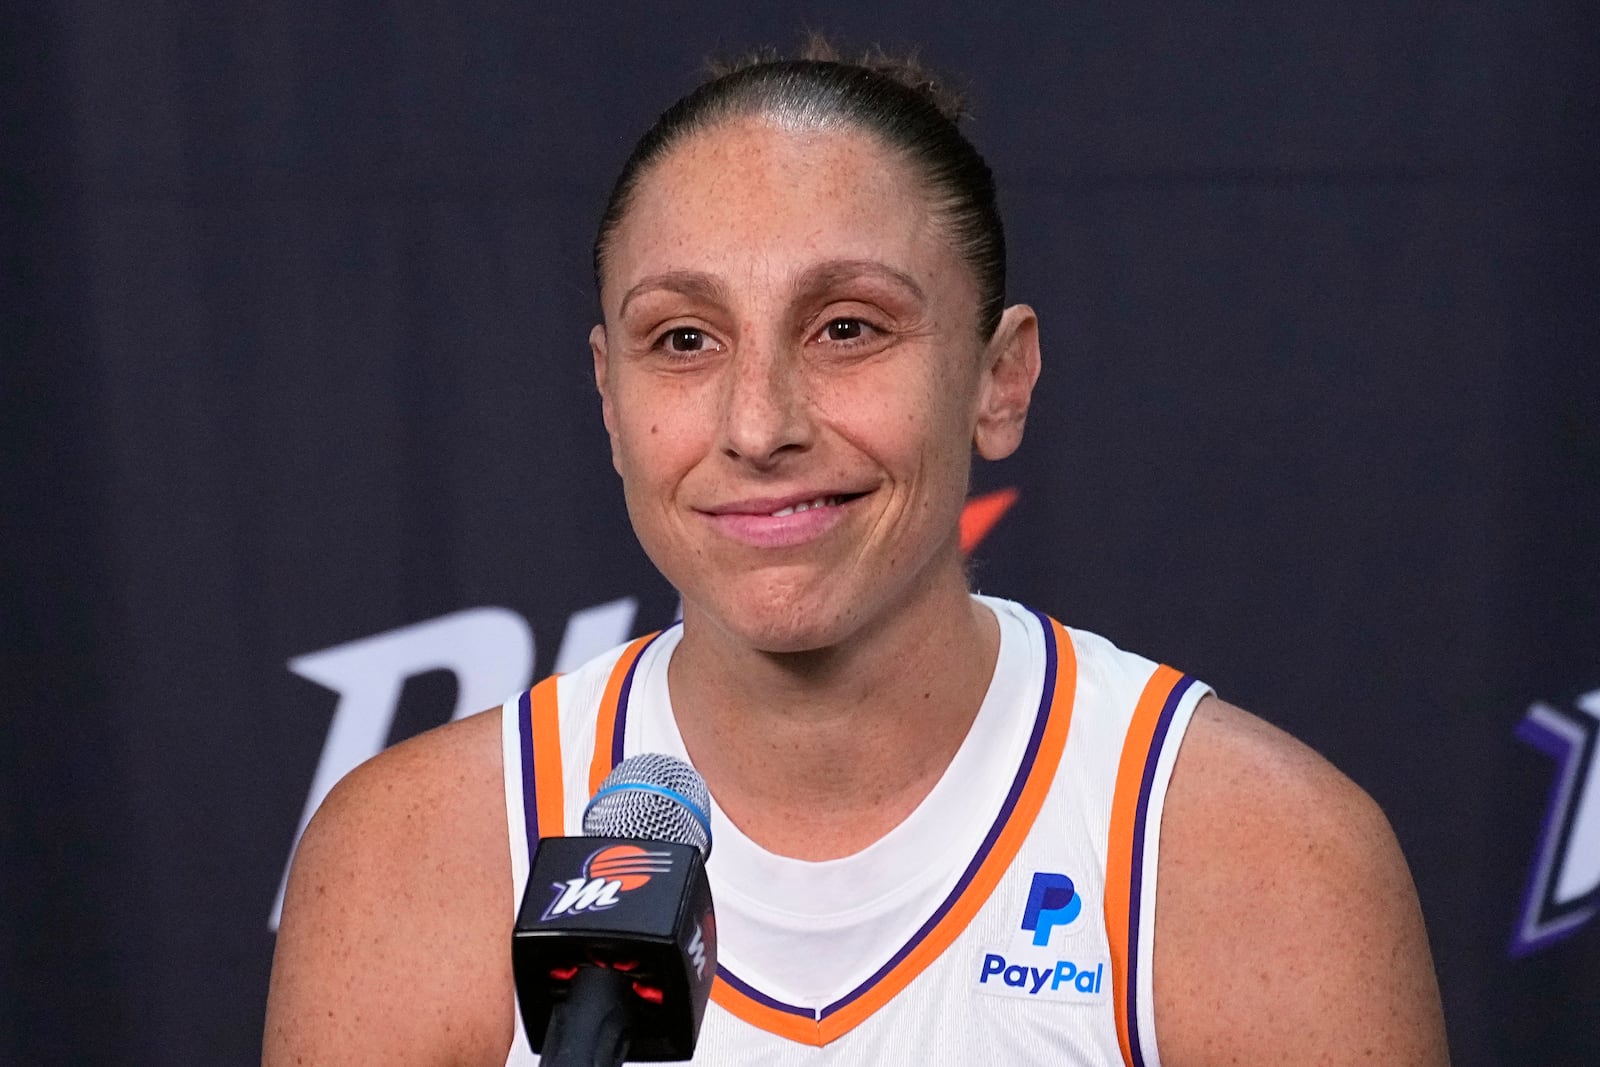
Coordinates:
(1029,967)
(1032,980)
(1052,902)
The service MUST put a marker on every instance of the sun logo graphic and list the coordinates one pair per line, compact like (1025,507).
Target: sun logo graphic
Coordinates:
(607,874)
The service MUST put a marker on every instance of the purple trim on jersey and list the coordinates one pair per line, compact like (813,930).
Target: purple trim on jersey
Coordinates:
(761,998)
(618,732)
(620,728)
(1040,718)
(530,808)
(1136,877)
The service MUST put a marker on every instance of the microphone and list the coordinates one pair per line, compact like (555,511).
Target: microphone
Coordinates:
(615,945)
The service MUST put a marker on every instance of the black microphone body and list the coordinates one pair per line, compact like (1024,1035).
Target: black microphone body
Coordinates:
(614,949)
(591,1026)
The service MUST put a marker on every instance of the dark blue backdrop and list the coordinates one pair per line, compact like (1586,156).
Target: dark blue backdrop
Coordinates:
(294,302)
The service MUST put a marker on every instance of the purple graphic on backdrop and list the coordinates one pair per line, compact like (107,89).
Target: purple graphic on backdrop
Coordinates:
(1563,891)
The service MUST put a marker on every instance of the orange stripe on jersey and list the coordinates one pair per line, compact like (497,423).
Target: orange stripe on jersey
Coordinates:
(606,722)
(548,795)
(1120,859)
(995,865)
(957,912)
(801,1029)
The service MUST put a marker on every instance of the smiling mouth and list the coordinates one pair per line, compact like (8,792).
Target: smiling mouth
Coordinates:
(776,509)
(764,524)
(831,501)
(807,505)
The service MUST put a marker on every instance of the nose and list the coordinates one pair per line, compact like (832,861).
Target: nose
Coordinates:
(766,412)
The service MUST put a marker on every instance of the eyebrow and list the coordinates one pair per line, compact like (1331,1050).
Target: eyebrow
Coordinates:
(816,279)
(834,272)
(690,283)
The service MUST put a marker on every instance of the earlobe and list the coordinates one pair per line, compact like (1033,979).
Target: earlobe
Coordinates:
(597,348)
(1011,368)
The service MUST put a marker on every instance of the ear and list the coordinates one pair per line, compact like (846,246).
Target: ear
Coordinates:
(1011,366)
(597,346)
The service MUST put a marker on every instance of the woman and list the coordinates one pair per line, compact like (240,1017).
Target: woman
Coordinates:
(946,826)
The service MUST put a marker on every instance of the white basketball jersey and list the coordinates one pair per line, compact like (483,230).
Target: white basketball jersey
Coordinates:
(1009,919)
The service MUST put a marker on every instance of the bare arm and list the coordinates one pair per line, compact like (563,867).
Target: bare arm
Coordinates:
(1287,925)
(395,943)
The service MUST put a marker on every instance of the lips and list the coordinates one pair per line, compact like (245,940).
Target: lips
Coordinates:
(781,522)
(784,506)
(807,505)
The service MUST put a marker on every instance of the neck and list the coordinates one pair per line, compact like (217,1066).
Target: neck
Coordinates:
(818,754)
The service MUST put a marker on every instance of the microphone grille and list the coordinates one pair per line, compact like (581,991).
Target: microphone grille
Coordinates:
(653,797)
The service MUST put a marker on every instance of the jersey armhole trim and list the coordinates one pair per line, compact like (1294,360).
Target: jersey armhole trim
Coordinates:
(516,769)
(531,724)
(1143,953)
(549,793)
(610,726)
(1125,882)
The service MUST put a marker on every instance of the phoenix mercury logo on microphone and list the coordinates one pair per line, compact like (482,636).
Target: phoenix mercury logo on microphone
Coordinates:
(607,874)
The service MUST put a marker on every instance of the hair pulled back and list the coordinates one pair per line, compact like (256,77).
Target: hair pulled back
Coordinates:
(896,101)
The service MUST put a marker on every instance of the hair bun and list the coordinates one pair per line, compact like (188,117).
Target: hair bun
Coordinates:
(904,70)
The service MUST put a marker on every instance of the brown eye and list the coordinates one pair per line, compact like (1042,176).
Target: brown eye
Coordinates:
(685,339)
(844,330)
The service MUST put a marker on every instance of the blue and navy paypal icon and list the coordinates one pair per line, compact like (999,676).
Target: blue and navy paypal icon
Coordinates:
(1029,967)
(1052,901)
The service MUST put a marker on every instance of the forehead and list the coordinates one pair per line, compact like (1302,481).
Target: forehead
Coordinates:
(752,201)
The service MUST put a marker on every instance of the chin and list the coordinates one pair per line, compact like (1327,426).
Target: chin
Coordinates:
(780,640)
(780,621)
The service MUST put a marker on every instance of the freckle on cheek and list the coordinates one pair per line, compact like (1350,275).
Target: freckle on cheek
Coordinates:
(653,429)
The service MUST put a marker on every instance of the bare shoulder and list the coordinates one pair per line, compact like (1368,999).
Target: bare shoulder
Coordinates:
(397,920)
(1287,925)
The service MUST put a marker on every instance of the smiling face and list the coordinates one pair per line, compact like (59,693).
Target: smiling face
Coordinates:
(793,381)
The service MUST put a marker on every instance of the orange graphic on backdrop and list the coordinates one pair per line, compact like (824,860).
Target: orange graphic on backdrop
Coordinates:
(981,514)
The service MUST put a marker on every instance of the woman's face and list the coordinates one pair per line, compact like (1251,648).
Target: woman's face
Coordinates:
(793,381)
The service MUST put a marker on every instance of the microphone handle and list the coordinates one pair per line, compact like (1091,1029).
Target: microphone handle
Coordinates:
(590,1027)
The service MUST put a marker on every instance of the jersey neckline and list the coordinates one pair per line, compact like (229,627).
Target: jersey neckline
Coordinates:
(1022,801)
(909,859)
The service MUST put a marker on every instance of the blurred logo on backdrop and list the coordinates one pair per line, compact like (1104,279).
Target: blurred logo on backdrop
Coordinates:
(490,651)
(1563,890)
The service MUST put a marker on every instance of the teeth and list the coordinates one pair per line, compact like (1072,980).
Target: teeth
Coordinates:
(795,509)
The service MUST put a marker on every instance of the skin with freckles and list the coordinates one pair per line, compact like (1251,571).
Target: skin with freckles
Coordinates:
(785,320)
(794,385)
(787,323)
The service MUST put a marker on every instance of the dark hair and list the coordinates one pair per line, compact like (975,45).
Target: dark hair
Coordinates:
(895,100)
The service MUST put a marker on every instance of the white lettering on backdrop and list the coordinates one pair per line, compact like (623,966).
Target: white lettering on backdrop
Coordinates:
(490,651)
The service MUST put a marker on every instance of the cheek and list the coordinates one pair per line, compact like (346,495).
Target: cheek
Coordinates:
(905,419)
(658,432)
